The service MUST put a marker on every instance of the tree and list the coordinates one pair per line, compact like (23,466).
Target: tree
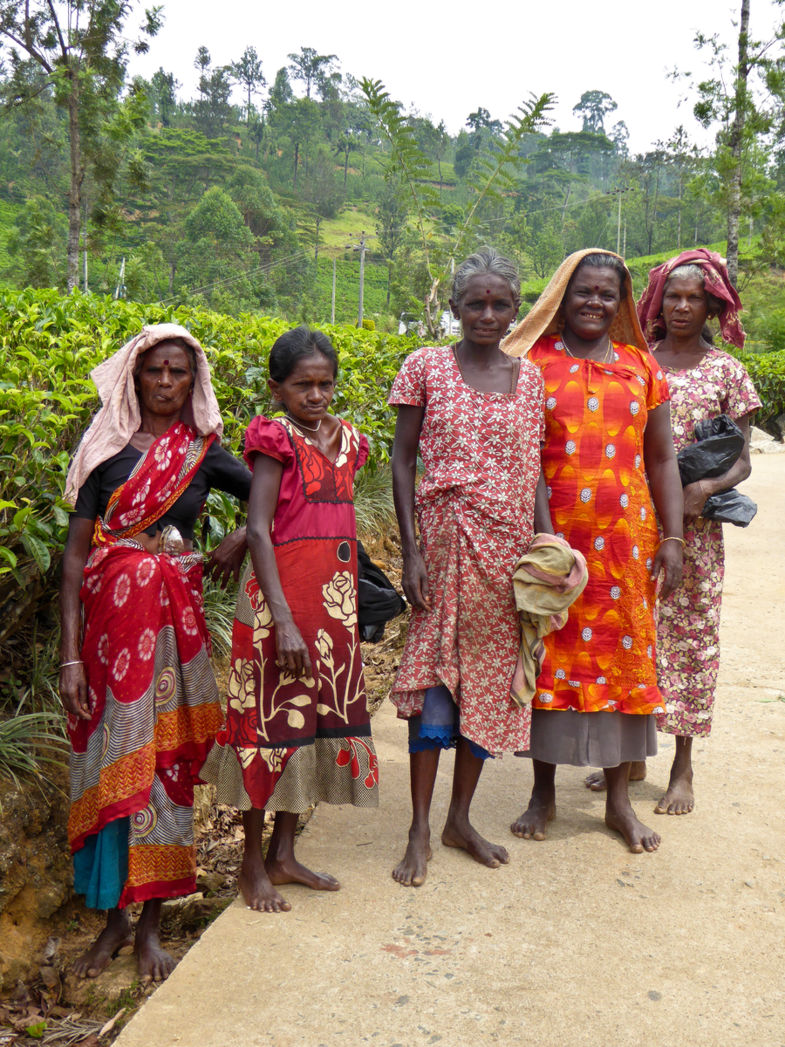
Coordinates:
(81,47)
(213,109)
(593,107)
(33,243)
(164,95)
(248,72)
(391,220)
(310,67)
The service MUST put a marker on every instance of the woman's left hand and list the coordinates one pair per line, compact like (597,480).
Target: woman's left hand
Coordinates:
(668,560)
(225,561)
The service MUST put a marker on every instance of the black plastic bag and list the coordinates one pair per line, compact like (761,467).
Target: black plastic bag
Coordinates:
(377,599)
(729,507)
(719,442)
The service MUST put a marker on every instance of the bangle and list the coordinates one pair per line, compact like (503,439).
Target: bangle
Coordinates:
(77,662)
(672,538)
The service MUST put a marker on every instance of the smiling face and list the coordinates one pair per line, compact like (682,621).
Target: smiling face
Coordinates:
(591,302)
(308,391)
(685,306)
(164,380)
(486,309)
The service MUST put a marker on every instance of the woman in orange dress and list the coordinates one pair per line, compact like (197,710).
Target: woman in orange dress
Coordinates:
(608,461)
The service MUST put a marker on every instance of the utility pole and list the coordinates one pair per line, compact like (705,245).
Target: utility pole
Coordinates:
(332,307)
(362,249)
(617,192)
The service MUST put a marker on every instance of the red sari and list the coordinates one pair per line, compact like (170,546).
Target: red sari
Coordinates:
(152,692)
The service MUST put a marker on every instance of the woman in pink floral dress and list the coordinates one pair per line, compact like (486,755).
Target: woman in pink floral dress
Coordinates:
(475,418)
(704,382)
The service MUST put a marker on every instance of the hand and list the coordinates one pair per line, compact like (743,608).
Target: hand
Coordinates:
(415,582)
(291,649)
(668,560)
(73,691)
(695,496)
(226,560)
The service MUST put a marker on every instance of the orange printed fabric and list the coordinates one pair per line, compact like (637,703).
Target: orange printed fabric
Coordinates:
(603,660)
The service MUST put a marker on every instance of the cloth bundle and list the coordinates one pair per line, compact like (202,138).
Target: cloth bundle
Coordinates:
(718,444)
(549,577)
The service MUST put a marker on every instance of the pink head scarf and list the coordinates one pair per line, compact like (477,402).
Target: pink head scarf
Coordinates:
(119,416)
(716,282)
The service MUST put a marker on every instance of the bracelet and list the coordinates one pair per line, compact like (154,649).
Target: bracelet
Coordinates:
(77,662)
(672,538)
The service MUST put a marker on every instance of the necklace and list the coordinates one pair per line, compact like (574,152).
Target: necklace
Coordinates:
(302,425)
(604,359)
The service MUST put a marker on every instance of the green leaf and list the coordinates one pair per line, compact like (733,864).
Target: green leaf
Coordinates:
(39,552)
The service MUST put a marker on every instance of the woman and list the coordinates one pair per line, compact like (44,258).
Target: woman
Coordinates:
(682,294)
(135,675)
(607,430)
(475,417)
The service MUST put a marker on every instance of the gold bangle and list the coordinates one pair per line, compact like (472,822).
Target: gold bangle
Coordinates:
(672,538)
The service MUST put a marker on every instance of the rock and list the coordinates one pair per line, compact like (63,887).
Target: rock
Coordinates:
(779,425)
(762,443)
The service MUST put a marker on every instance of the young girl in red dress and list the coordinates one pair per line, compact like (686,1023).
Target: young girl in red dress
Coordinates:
(297,728)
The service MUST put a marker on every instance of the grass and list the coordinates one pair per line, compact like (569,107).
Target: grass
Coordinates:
(29,742)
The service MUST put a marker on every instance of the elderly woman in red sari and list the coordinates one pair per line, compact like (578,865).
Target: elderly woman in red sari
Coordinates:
(135,675)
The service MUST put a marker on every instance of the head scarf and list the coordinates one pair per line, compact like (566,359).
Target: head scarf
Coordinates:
(544,317)
(119,416)
(716,282)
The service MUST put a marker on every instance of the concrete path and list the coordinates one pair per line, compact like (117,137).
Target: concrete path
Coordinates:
(576,941)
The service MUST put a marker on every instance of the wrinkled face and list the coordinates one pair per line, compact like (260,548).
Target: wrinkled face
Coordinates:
(165,380)
(486,309)
(308,391)
(591,302)
(685,306)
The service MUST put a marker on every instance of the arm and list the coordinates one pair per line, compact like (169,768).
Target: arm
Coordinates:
(404,467)
(265,485)
(231,475)
(73,680)
(695,495)
(663,473)
(542,510)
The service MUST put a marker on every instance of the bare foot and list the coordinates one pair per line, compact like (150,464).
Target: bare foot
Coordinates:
(679,797)
(413,868)
(112,938)
(288,870)
(542,809)
(639,837)
(256,888)
(596,780)
(153,963)
(466,837)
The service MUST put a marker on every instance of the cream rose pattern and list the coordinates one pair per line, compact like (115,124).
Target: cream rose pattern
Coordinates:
(340,599)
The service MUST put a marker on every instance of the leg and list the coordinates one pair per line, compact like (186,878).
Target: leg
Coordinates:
(255,885)
(458,830)
(596,780)
(281,864)
(412,869)
(620,816)
(112,938)
(679,797)
(542,805)
(153,962)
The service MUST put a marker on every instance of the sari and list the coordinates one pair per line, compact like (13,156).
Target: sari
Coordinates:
(152,693)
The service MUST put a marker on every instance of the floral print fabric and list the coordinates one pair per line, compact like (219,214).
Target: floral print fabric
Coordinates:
(475,510)
(688,629)
(595,419)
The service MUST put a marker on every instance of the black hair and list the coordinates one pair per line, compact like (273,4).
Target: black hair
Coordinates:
(295,345)
(601,260)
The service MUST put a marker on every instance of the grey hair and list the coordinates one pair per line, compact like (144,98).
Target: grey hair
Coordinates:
(688,272)
(486,260)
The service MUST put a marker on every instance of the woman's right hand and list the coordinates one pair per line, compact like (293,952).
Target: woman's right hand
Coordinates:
(73,691)
(291,649)
(414,579)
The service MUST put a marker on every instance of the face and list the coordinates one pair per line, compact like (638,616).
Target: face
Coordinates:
(685,306)
(486,309)
(308,391)
(165,379)
(592,301)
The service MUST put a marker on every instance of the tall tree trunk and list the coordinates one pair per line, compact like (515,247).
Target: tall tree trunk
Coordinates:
(75,188)
(735,142)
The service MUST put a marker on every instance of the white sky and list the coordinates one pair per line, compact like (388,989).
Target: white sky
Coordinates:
(446,59)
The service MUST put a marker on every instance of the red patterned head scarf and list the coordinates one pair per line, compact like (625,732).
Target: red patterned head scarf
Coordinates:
(716,282)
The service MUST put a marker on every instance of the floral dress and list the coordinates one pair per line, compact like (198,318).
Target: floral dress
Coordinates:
(595,419)
(475,510)
(289,741)
(688,629)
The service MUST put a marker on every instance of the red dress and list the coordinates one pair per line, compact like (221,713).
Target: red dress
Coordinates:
(291,742)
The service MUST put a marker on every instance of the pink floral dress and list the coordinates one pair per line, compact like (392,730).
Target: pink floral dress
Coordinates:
(688,630)
(475,510)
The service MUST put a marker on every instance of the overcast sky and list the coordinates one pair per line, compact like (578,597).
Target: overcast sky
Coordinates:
(448,59)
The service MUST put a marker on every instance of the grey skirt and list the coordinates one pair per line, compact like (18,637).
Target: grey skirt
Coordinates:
(590,739)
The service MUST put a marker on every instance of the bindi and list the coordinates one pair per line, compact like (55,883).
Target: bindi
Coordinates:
(166,363)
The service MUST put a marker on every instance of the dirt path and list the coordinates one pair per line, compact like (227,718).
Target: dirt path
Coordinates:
(575,941)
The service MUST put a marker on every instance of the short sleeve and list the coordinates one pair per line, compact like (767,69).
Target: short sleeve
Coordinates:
(227,473)
(409,386)
(266,436)
(657,391)
(362,453)
(89,497)
(740,396)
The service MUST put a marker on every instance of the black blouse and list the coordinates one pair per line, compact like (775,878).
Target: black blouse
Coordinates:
(218,469)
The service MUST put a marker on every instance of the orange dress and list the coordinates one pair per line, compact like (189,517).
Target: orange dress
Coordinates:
(603,660)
